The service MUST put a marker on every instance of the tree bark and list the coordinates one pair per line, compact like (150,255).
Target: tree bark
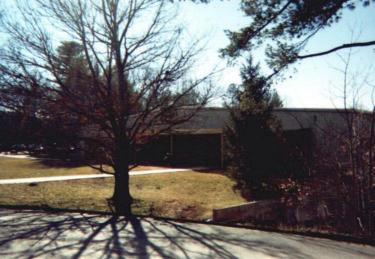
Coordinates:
(122,200)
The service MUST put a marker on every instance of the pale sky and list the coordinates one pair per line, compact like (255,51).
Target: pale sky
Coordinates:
(313,82)
(316,83)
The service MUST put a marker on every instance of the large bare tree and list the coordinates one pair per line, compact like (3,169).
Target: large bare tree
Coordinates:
(124,80)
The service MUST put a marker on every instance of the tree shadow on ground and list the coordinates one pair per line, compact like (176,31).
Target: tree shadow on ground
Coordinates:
(32,234)
(60,162)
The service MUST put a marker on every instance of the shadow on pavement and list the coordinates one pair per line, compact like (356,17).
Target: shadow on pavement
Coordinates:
(33,234)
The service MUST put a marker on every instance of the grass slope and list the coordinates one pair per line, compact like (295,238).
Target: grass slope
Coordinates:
(190,195)
(11,168)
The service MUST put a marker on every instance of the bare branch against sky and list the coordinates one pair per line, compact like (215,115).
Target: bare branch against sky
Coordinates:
(117,69)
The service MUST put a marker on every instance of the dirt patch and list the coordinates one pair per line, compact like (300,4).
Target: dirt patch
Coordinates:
(176,209)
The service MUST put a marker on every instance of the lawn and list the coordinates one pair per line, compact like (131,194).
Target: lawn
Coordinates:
(189,195)
(11,168)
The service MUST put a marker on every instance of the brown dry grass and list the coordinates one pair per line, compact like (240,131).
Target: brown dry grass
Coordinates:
(190,195)
(11,168)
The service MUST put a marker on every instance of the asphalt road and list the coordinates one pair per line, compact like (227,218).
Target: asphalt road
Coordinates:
(28,234)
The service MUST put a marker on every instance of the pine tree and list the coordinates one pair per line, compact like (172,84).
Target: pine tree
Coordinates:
(253,134)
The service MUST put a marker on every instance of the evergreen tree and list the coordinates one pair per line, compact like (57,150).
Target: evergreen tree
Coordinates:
(254,134)
(284,27)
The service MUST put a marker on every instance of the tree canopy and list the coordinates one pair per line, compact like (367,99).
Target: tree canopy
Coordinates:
(253,134)
(285,27)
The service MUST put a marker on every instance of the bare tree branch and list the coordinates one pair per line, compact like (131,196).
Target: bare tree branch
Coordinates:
(344,46)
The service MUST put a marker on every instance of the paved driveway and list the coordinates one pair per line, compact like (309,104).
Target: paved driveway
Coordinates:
(27,234)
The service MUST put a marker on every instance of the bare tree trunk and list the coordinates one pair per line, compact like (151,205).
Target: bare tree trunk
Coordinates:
(122,200)
(371,160)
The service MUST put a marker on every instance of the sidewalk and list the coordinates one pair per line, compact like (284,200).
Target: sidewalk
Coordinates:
(88,176)
(20,156)
(33,234)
